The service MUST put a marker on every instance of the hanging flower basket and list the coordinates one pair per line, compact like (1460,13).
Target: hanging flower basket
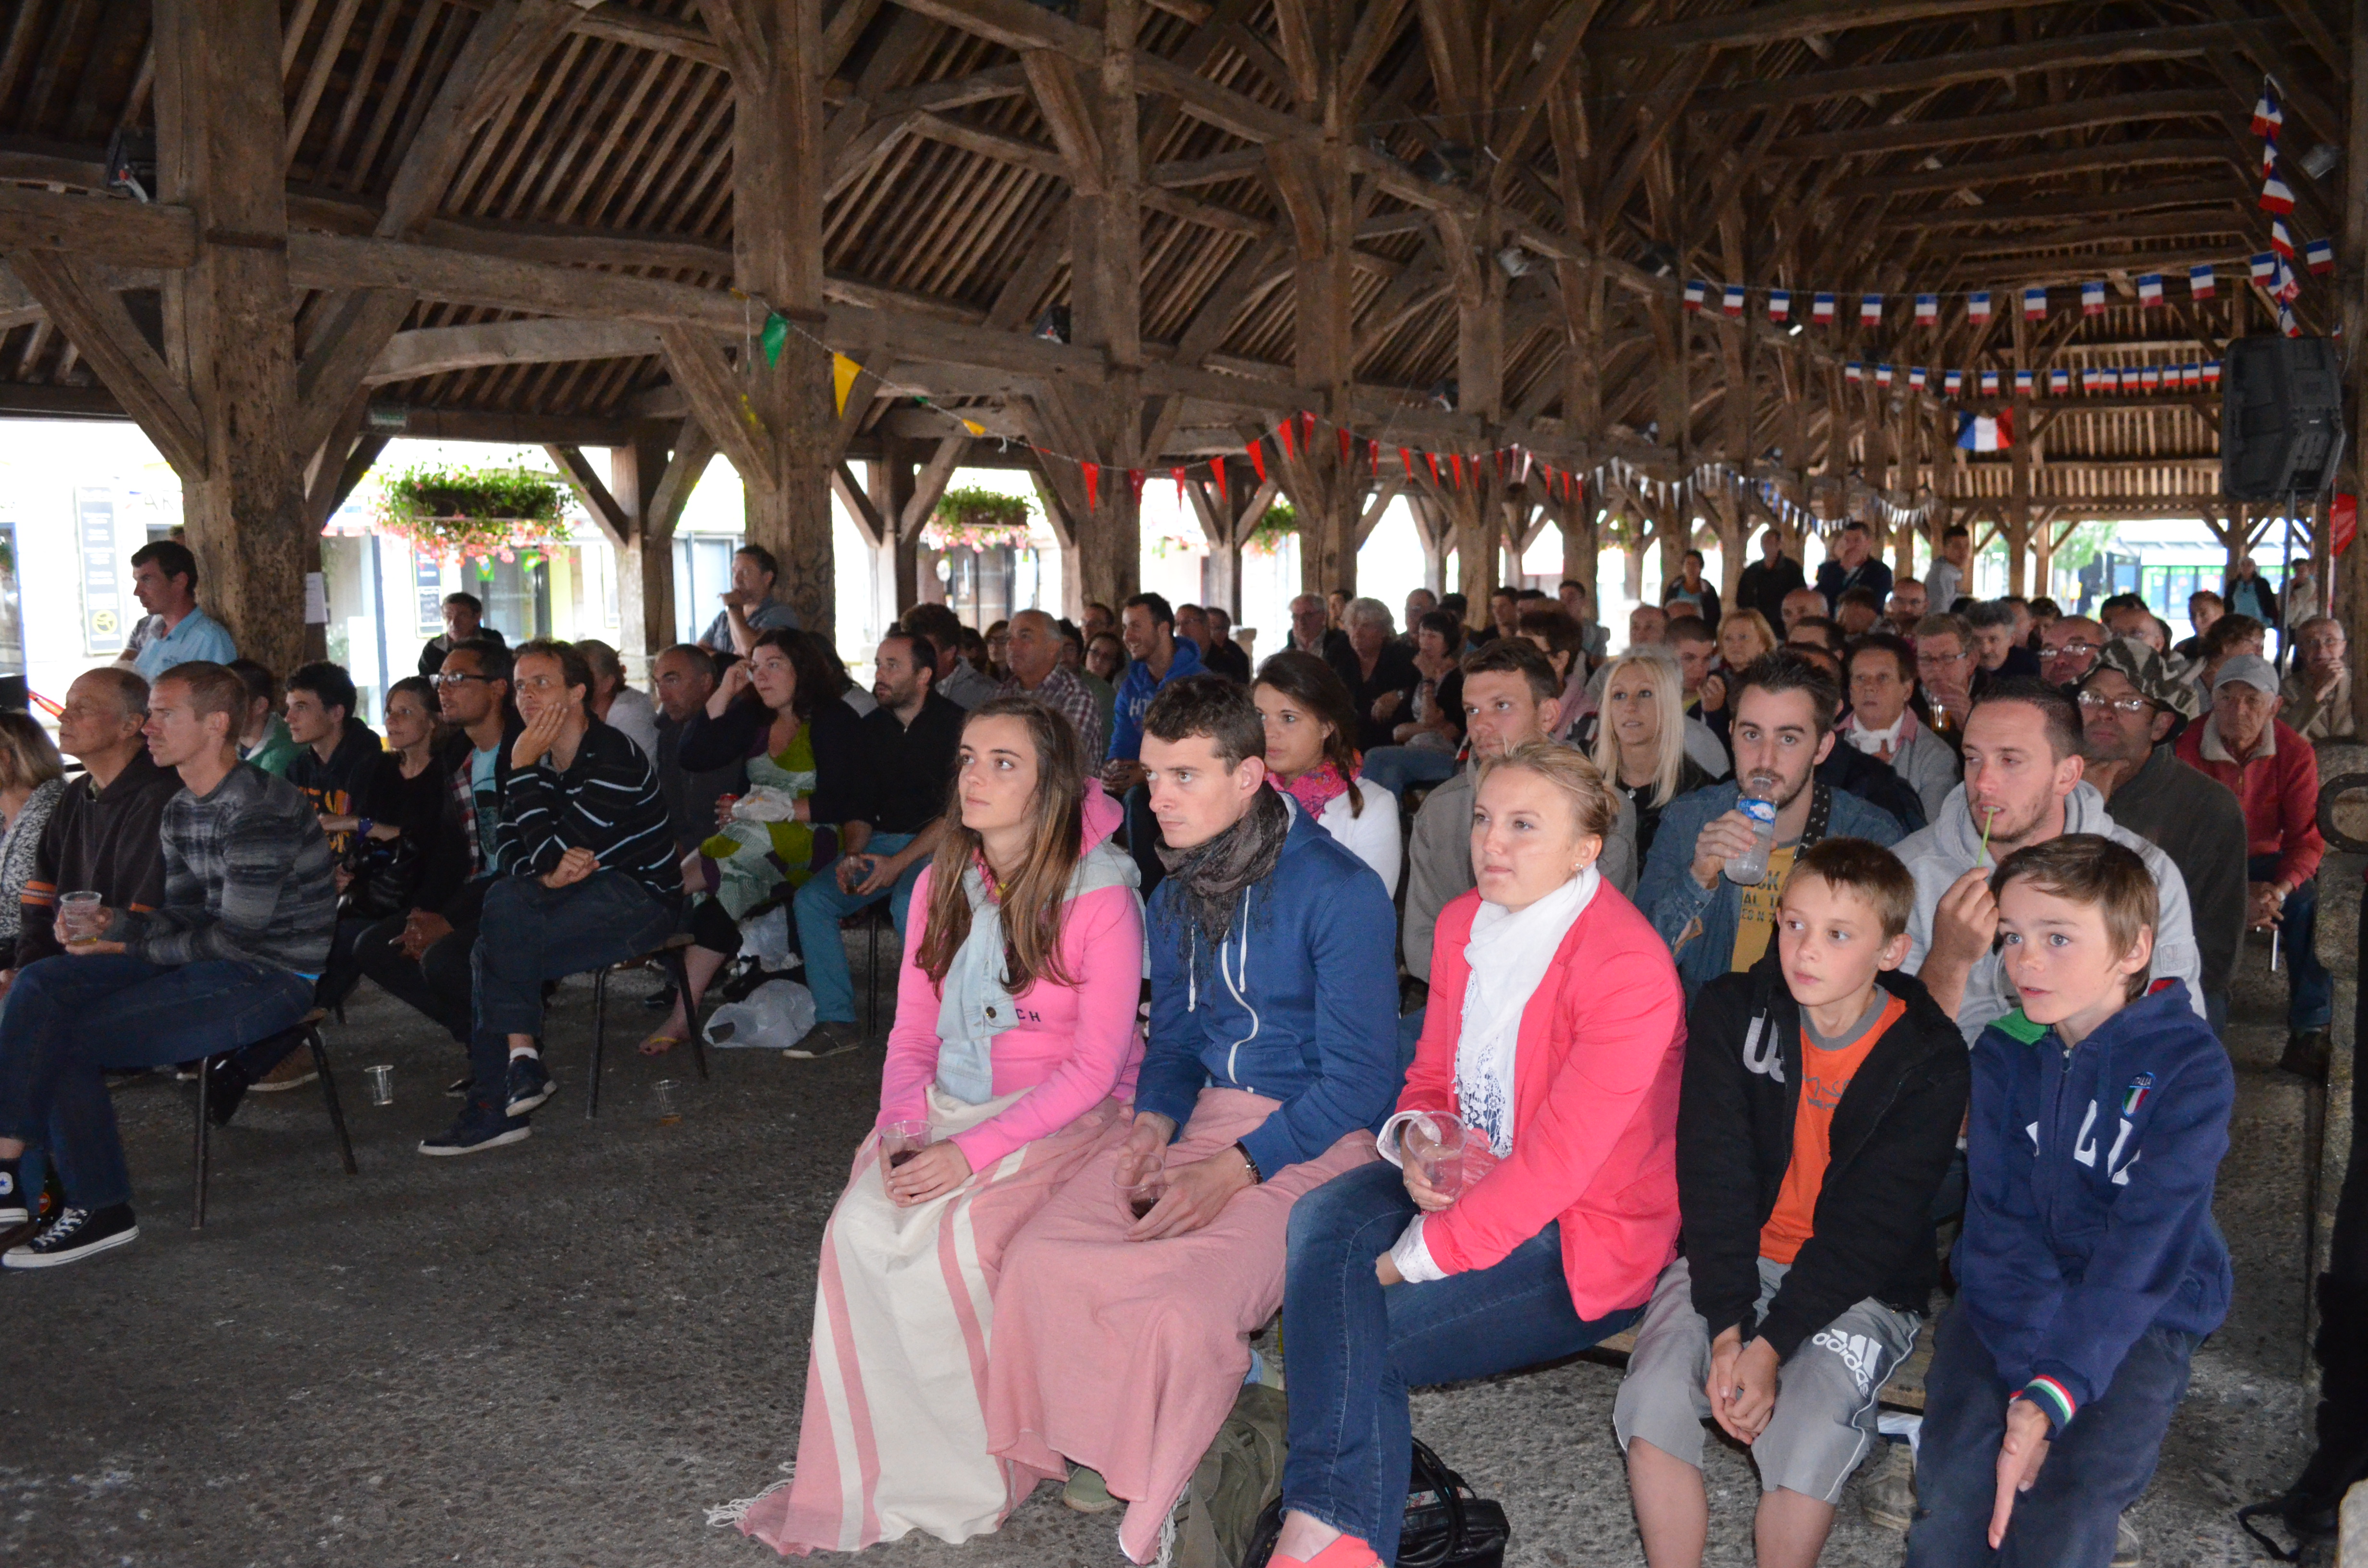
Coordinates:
(974,519)
(474,513)
(1280,522)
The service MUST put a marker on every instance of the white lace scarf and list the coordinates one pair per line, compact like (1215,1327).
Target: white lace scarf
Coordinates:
(1509,953)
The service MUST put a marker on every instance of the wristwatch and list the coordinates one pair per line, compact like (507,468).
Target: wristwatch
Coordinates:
(1258,1176)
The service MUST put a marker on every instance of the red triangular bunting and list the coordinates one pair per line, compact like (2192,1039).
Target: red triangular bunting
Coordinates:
(1404,456)
(1282,434)
(1457,459)
(1178,474)
(1135,478)
(1345,441)
(1093,473)
(1258,458)
(1218,471)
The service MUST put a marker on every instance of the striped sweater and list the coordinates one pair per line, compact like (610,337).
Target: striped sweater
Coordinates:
(608,801)
(247,878)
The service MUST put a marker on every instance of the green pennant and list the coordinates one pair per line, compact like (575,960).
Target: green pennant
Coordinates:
(776,334)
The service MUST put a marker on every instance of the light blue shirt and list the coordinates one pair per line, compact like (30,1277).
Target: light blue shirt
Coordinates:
(199,636)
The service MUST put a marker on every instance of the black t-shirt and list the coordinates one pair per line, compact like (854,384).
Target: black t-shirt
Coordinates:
(892,775)
(1392,671)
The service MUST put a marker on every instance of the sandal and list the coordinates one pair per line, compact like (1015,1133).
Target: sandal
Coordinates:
(659,1043)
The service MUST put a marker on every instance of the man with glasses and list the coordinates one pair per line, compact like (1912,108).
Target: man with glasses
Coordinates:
(2317,691)
(1312,630)
(2067,651)
(1906,608)
(2132,708)
(1881,724)
(1944,668)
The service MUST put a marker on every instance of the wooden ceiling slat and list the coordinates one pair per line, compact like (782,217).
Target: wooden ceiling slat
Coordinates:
(358,95)
(392,96)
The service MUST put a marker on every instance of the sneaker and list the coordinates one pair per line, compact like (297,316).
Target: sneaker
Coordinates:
(2128,1550)
(1888,1497)
(458,1089)
(225,1086)
(294,1070)
(1087,1493)
(528,1085)
(480,1127)
(826,1040)
(74,1234)
(14,1210)
(2308,1054)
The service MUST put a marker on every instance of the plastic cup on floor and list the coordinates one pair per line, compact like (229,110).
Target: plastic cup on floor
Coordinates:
(381,1084)
(664,1096)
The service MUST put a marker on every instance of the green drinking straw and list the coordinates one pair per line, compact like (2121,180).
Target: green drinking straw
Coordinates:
(1989,818)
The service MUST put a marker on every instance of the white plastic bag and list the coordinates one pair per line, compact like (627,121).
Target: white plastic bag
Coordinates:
(767,939)
(776,1015)
(765,803)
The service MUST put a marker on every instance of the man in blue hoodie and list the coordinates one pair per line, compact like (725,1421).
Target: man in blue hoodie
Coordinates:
(1157,657)
(2090,1267)
(1272,1057)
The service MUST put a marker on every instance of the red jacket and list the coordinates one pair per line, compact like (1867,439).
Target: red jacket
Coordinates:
(2279,788)
(1595,1106)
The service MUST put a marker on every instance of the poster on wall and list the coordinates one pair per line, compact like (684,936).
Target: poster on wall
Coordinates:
(107,610)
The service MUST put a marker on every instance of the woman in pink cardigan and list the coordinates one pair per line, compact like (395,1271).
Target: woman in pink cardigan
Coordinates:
(1015,1043)
(1556,1034)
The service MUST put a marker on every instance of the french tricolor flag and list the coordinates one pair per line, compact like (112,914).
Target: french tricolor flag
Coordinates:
(1821,310)
(2212,372)
(2264,267)
(1780,305)
(2276,196)
(1731,301)
(2091,378)
(2034,303)
(2267,117)
(2109,379)
(2092,298)
(1977,305)
(2191,377)
(2200,282)
(1989,383)
(2319,256)
(2059,382)
(1916,378)
(1882,375)
(1953,382)
(1928,310)
(2149,378)
(1986,432)
(2022,381)
(1853,371)
(2151,288)
(2281,242)
(1696,292)
(1870,310)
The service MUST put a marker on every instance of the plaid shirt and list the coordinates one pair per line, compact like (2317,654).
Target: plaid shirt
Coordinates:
(1066,695)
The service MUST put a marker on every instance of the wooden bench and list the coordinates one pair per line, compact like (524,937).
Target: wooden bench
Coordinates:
(1903,1391)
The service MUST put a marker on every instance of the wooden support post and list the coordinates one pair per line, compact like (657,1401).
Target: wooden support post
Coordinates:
(889,485)
(1226,521)
(2016,521)
(649,483)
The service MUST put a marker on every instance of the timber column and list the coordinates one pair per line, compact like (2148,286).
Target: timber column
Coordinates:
(230,334)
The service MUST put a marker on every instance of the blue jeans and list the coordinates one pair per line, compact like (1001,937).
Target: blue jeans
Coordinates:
(1400,768)
(2310,989)
(1353,1348)
(526,934)
(2097,1466)
(822,904)
(68,1018)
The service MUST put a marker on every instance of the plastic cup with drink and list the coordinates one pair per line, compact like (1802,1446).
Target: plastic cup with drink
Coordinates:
(899,1142)
(82,916)
(1434,1141)
(1749,869)
(1144,1193)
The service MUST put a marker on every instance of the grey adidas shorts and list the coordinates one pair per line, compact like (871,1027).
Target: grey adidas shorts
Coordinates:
(1825,1417)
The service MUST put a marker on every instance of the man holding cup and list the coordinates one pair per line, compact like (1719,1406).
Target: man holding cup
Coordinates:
(228,960)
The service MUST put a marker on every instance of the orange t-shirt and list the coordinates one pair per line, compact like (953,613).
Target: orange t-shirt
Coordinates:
(1825,1074)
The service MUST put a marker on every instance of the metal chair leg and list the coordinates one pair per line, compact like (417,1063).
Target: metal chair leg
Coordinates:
(205,1128)
(600,1039)
(329,1096)
(679,967)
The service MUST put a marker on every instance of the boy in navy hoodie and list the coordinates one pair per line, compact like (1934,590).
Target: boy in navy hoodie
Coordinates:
(2090,1267)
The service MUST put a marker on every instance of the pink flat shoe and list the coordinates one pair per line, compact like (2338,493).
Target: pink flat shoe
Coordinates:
(1346,1552)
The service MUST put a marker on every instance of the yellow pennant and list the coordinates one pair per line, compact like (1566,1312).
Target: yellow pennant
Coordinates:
(843,371)
(973,427)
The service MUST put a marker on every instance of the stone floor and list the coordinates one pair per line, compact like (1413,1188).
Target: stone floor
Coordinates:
(562,1353)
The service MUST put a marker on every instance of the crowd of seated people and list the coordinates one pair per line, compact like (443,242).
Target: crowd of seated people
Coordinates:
(1495,982)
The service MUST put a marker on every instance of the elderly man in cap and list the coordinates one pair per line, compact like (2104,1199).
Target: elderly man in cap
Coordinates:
(2274,773)
(2132,708)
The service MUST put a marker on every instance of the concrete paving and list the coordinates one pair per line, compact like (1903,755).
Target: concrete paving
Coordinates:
(560,1355)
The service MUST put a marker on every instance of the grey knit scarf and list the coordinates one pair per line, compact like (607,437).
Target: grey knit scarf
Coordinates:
(1210,876)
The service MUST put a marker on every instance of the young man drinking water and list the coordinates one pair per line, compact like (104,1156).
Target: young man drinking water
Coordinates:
(228,961)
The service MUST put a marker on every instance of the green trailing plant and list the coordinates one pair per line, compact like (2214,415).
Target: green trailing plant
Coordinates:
(976,518)
(474,512)
(1280,522)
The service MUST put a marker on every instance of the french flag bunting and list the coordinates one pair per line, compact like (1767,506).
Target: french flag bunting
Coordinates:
(2280,241)
(1821,310)
(2286,323)
(1953,382)
(2267,117)
(2092,298)
(2289,284)
(2022,382)
(2200,282)
(1977,305)
(2319,256)
(2149,378)
(2151,288)
(2276,195)
(2034,303)
(1916,378)
(1731,301)
(2191,377)
(1870,310)
(2091,378)
(2212,372)
(2264,267)
(2059,382)
(1989,383)
(1853,371)
(2108,378)
(1928,310)
(1780,305)
(1882,375)
(1696,292)
(1986,432)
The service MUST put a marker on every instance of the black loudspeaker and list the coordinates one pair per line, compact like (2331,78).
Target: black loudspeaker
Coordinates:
(2280,417)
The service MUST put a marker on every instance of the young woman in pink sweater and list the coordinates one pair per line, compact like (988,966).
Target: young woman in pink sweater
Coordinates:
(1015,1043)
(1556,1034)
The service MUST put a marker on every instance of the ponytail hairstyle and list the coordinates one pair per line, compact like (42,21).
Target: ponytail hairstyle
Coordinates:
(1035,899)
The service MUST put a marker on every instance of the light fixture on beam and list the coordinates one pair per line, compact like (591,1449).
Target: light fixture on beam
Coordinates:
(1514,260)
(131,163)
(2319,162)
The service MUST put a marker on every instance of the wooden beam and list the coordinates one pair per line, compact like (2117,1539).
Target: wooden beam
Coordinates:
(2080,114)
(625,24)
(615,525)
(2201,193)
(720,403)
(95,322)
(116,229)
(1981,170)
(439,350)
(1929,75)
(1786,20)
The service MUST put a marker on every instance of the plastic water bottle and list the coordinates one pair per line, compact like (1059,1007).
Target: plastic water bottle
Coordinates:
(1749,869)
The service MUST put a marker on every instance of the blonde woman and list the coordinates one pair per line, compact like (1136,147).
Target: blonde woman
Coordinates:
(31,778)
(1640,745)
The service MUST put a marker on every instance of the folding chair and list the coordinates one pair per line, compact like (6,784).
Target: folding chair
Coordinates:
(310,1024)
